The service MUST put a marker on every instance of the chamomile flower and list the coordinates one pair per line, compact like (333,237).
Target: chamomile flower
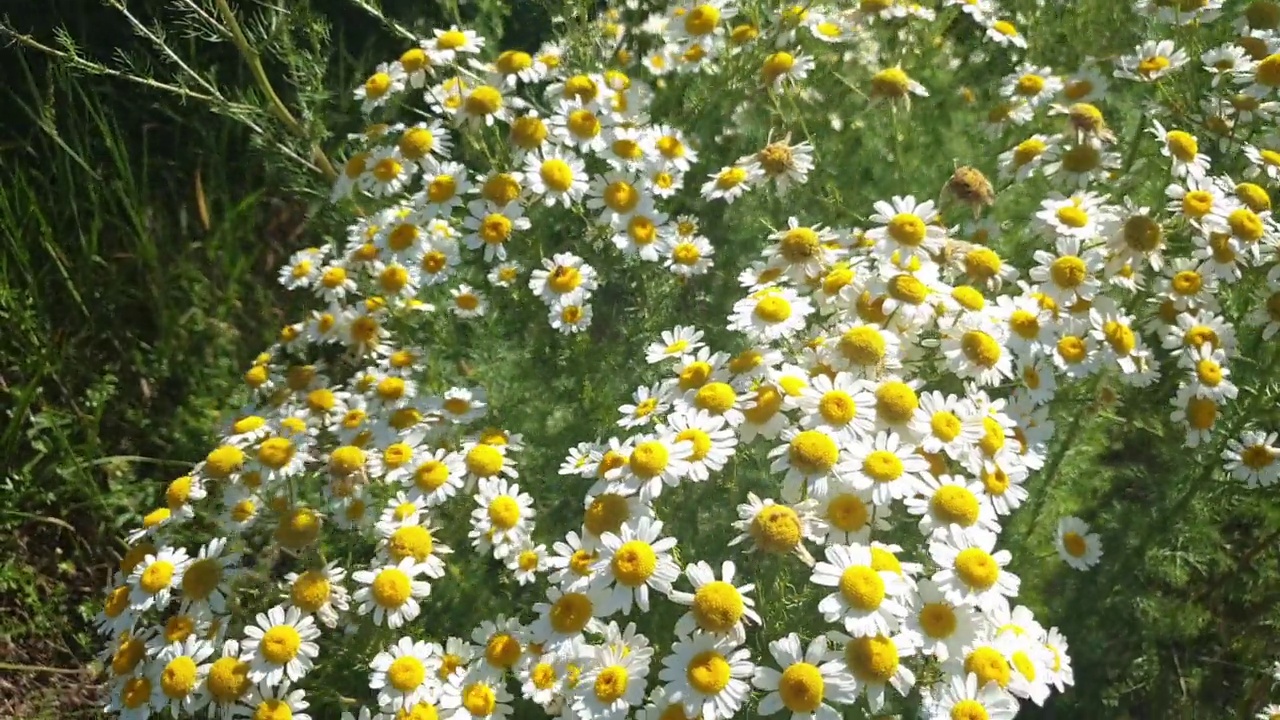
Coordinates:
(1182,149)
(729,183)
(179,670)
(1253,459)
(707,675)
(1077,547)
(875,661)
(1209,373)
(943,628)
(770,313)
(280,644)
(504,515)
(716,607)
(473,695)
(885,465)
(868,601)
(633,561)
(561,620)
(611,684)
(467,302)
(807,681)
(840,405)
(948,500)
(491,229)
(402,674)
(771,527)
(655,461)
(206,582)
(1069,274)
(1151,61)
(969,571)
(563,279)
(907,229)
(390,593)
(962,698)
(711,437)
(320,592)
(153,581)
(810,459)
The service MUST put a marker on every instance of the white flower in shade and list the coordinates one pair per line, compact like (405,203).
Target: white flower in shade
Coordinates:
(886,466)
(946,500)
(206,583)
(475,696)
(320,592)
(1253,459)
(611,684)
(848,515)
(868,601)
(770,313)
(280,644)
(942,628)
(502,645)
(708,676)
(876,662)
(391,592)
(716,607)
(403,674)
(969,572)
(632,561)
(1077,547)
(962,698)
(1060,674)
(807,682)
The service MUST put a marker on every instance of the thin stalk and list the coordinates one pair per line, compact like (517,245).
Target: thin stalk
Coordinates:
(278,108)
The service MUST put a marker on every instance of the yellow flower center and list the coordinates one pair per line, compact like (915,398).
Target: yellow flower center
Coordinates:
(1246,225)
(701,20)
(1182,145)
(891,83)
(634,563)
(556,174)
(406,673)
(862,587)
(882,466)
(776,528)
(989,665)
(570,614)
(717,607)
(606,513)
(479,700)
(872,659)
(280,644)
(907,229)
(708,672)
(938,620)
(1068,271)
(896,402)
(391,588)
(801,688)
(977,568)
(649,459)
(484,100)
(813,452)
(863,346)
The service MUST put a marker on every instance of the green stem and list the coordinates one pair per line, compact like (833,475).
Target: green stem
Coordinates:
(1050,472)
(278,108)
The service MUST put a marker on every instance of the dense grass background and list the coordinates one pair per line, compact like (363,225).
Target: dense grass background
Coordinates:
(140,239)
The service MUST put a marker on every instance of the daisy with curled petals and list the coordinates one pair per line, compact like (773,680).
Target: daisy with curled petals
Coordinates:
(654,461)
(473,695)
(729,183)
(809,458)
(886,466)
(868,601)
(1120,344)
(841,405)
(771,313)
(716,607)
(320,592)
(1077,547)
(802,252)
(942,628)
(632,561)
(1254,459)
(969,571)
(678,343)
(775,528)
(566,615)
(402,674)
(807,682)
(1068,274)
(708,675)
(611,684)
(907,229)
(876,662)
(947,500)
(391,592)
(962,698)
(280,644)
(712,438)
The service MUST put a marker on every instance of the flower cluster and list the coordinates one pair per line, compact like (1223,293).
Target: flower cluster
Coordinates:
(892,381)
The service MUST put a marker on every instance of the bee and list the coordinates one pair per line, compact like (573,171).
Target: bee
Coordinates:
(971,187)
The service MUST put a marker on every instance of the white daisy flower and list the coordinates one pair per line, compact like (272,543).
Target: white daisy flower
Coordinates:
(280,644)
(633,561)
(716,607)
(1077,547)
(391,592)
(807,683)
(708,675)
(868,601)
(969,571)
